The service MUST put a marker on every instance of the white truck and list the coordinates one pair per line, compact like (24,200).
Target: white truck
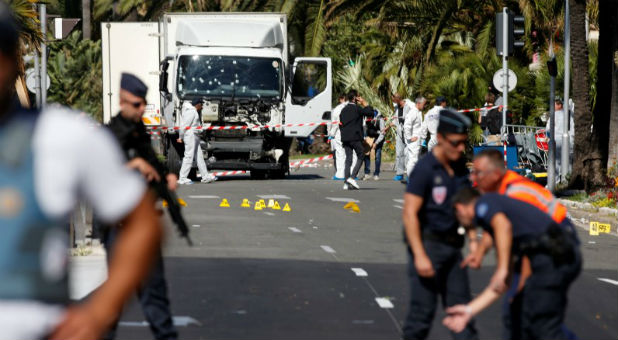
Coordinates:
(238,64)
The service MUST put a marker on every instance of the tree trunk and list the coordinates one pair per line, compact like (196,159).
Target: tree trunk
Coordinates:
(589,159)
(608,20)
(86,26)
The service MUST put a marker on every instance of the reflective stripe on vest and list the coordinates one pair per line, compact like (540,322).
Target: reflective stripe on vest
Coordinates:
(537,195)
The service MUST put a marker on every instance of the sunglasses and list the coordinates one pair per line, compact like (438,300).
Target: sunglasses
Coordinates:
(136,105)
(455,143)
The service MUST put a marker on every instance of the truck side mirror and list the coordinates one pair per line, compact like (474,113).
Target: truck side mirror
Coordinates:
(163,66)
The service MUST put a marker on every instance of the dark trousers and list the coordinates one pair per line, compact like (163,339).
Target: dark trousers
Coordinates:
(544,298)
(378,161)
(450,283)
(349,147)
(152,296)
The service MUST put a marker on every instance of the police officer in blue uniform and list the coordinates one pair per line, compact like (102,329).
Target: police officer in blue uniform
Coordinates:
(131,133)
(44,171)
(521,229)
(432,233)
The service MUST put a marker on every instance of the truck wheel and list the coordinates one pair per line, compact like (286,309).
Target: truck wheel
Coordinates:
(174,161)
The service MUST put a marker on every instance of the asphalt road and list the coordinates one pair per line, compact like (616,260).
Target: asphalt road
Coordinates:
(295,275)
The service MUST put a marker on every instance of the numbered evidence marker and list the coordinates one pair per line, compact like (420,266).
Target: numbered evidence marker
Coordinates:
(287,208)
(594,228)
(258,206)
(224,204)
(276,206)
(245,203)
(271,203)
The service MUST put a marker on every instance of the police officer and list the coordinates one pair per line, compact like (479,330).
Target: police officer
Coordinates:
(128,128)
(48,161)
(430,123)
(432,232)
(521,229)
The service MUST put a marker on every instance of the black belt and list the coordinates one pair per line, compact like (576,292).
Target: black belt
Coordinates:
(556,242)
(451,238)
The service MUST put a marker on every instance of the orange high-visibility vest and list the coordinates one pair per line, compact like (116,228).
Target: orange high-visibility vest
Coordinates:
(523,189)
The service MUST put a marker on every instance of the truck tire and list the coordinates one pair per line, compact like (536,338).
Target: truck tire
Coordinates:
(174,161)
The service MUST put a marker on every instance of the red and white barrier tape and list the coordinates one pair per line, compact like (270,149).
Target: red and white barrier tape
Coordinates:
(482,108)
(239,127)
(292,164)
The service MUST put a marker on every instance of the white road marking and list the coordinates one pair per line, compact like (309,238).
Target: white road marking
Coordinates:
(328,249)
(269,213)
(398,200)
(398,206)
(296,230)
(614,282)
(362,322)
(592,242)
(179,321)
(342,199)
(204,196)
(359,272)
(196,226)
(274,197)
(384,303)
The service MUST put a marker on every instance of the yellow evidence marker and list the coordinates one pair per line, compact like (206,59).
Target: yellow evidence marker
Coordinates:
(287,208)
(262,203)
(245,203)
(349,205)
(594,228)
(276,206)
(258,206)
(224,204)
(271,203)
(180,201)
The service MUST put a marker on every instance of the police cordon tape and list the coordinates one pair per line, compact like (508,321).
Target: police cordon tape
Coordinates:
(298,163)
(252,127)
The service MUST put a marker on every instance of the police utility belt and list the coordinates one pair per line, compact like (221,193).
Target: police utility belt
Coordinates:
(557,242)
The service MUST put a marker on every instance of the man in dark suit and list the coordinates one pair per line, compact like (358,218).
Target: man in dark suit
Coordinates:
(351,119)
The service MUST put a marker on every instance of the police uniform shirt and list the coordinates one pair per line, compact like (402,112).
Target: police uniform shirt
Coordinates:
(526,219)
(431,181)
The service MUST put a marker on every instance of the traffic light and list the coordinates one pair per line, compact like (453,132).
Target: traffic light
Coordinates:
(515,30)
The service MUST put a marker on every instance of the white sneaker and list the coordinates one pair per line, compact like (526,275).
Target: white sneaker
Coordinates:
(209,179)
(366,177)
(352,183)
(346,187)
(376,178)
(185,181)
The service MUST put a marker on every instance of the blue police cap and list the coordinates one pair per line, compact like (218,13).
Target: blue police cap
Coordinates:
(133,84)
(196,101)
(453,122)
(9,33)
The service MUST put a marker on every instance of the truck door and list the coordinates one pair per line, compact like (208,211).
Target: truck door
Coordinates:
(310,97)
(131,47)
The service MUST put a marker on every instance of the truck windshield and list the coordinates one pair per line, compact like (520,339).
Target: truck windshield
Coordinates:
(225,76)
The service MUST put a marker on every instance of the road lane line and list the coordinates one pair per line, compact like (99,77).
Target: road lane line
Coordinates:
(384,302)
(196,226)
(342,199)
(328,249)
(398,207)
(203,196)
(269,213)
(296,230)
(398,201)
(179,321)
(614,282)
(274,197)
(359,272)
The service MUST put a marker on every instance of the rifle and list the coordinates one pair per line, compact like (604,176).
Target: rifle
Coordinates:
(172,207)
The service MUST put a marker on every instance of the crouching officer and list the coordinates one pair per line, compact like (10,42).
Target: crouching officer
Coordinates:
(432,232)
(128,128)
(521,229)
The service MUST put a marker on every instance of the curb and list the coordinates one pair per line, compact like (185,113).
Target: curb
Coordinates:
(580,205)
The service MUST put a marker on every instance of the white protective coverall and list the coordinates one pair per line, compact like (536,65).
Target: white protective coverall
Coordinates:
(193,150)
(430,125)
(336,144)
(412,129)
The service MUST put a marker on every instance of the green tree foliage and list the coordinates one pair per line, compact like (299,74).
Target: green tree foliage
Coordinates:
(75,68)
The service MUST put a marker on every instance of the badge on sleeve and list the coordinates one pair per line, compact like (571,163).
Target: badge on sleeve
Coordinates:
(439,194)
(481,210)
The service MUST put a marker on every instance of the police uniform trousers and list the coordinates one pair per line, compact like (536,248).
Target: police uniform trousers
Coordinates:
(152,296)
(450,283)
(544,297)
